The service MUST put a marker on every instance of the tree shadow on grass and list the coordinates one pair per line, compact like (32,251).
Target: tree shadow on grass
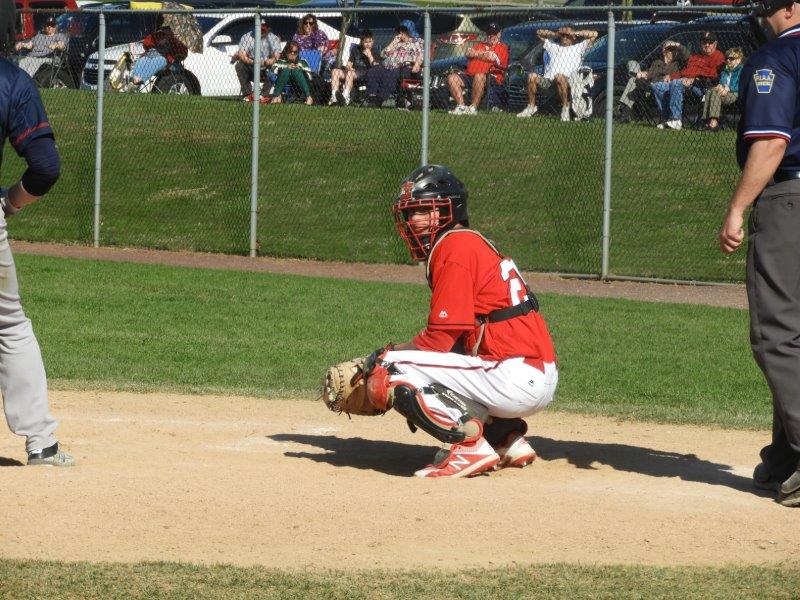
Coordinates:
(398,459)
(10,462)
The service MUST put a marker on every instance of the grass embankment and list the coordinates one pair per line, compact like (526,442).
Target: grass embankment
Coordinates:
(177,176)
(143,327)
(34,579)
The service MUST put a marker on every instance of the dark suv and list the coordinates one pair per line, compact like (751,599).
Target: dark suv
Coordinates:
(643,45)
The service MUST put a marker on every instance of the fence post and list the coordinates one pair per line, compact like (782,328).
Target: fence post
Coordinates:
(98,142)
(254,148)
(609,138)
(426,91)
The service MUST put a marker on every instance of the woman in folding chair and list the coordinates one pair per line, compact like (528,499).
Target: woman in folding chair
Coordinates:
(292,71)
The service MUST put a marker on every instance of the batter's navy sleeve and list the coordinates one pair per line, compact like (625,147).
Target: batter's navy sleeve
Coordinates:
(27,119)
(44,166)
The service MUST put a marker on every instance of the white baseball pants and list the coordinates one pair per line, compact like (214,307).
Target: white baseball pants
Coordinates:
(508,388)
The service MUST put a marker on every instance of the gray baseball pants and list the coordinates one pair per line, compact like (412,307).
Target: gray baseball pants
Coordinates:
(773,293)
(22,378)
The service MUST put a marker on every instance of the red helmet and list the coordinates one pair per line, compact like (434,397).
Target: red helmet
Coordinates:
(428,189)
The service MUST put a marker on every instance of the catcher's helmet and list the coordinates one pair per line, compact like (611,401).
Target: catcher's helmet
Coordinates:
(435,190)
(8,19)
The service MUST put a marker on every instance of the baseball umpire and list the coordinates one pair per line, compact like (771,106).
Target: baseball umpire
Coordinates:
(485,358)
(768,152)
(22,377)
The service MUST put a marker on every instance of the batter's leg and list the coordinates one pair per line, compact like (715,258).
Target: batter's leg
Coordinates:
(22,377)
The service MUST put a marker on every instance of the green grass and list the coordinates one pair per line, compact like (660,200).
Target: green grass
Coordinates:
(176,176)
(143,327)
(38,579)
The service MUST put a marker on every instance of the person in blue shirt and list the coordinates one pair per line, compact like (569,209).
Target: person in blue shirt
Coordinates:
(24,123)
(726,91)
(768,152)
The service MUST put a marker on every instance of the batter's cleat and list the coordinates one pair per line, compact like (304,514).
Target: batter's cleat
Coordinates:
(789,492)
(463,460)
(515,452)
(50,457)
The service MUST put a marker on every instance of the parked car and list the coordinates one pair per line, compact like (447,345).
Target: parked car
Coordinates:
(209,73)
(632,10)
(642,44)
(30,23)
(382,24)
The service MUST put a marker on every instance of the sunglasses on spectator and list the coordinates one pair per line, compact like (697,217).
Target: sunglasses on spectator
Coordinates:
(308,22)
(731,58)
(292,52)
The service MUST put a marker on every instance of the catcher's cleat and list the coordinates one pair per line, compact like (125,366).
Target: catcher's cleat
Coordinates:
(50,457)
(515,452)
(463,460)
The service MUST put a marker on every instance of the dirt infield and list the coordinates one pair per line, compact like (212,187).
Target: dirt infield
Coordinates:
(288,484)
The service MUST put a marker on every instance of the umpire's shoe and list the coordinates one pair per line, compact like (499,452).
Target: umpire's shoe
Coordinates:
(50,457)
(770,477)
(789,494)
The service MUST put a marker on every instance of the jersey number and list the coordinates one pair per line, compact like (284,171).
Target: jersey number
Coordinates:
(516,285)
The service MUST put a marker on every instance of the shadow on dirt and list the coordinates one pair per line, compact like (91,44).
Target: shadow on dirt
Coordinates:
(646,461)
(399,459)
(10,462)
(392,458)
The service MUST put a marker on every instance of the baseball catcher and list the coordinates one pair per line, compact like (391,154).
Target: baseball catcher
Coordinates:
(485,358)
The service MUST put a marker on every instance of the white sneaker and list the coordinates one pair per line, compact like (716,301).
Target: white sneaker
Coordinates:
(675,124)
(332,101)
(471,110)
(660,126)
(459,110)
(565,113)
(528,111)
(515,452)
(346,98)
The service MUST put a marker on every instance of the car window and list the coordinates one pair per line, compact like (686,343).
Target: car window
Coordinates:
(124,28)
(18,26)
(630,44)
(283,27)
(237,29)
(519,42)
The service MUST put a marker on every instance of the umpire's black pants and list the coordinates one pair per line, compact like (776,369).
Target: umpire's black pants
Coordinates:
(773,293)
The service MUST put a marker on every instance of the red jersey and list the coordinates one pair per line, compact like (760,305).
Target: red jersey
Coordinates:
(478,65)
(469,278)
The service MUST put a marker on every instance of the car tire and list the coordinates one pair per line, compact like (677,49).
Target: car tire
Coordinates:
(175,84)
(599,106)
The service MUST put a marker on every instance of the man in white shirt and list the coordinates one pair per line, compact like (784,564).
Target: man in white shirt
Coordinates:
(565,59)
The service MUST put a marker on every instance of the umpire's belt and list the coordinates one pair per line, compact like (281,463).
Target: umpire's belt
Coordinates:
(782,175)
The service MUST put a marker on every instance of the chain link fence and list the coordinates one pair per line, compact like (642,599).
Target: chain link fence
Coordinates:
(165,154)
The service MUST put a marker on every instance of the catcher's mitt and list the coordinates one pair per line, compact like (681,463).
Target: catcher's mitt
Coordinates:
(344,389)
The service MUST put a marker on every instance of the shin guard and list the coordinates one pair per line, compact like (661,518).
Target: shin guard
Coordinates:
(422,408)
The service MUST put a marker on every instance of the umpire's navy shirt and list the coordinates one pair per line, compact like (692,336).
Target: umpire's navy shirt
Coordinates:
(22,115)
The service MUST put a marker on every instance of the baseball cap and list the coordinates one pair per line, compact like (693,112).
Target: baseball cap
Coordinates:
(492,28)
(50,22)
(709,36)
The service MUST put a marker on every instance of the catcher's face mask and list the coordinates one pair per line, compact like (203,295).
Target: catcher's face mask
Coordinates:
(418,220)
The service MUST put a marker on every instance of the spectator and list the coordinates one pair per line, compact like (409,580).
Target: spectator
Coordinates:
(42,46)
(487,59)
(673,58)
(161,48)
(726,91)
(290,69)
(700,73)
(363,56)
(403,52)
(564,62)
(309,36)
(270,52)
